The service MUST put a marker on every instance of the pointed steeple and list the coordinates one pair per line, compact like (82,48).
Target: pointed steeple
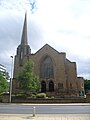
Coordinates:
(23,49)
(24,40)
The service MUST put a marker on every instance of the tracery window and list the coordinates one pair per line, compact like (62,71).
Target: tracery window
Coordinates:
(46,68)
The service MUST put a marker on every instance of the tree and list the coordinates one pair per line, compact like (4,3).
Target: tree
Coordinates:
(28,81)
(3,84)
(87,85)
(7,76)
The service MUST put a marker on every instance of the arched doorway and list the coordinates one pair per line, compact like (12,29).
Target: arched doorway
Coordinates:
(43,86)
(51,86)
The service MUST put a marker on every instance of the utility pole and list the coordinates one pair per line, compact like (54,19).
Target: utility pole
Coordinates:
(11,80)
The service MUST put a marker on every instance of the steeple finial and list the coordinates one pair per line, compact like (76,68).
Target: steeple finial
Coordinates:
(24,40)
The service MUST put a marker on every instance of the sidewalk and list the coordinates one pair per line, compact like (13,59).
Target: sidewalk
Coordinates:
(46,117)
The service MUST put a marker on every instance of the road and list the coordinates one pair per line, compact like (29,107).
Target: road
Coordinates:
(44,109)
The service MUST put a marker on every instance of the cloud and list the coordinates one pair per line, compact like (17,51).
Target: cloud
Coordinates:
(62,24)
(85,65)
(18,5)
(35,35)
(10,36)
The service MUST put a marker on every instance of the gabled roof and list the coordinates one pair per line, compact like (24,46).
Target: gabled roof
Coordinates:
(47,45)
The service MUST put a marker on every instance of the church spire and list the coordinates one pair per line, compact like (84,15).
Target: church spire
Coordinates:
(24,40)
(23,49)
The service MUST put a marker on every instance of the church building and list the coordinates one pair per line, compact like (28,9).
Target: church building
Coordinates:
(57,74)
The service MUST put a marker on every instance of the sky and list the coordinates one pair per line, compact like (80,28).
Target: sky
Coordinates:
(63,24)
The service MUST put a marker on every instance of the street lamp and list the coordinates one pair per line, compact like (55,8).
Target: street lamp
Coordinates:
(11,79)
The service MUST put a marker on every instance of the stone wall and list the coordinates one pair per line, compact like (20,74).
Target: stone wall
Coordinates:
(5,99)
(51,101)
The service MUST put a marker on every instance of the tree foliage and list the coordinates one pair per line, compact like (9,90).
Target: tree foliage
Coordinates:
(28,81)
(3,84)
(87,85)
(7,76)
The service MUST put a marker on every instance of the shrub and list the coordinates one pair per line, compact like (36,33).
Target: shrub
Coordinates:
(33,96)
(0,99)
(41,95)
(52,97)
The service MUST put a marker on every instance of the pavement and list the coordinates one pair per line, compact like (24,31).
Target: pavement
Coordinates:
(45,117)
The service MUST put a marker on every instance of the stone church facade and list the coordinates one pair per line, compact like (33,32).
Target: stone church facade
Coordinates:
(57,74)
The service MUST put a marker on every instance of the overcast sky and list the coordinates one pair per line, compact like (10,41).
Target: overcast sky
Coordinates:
(63,24)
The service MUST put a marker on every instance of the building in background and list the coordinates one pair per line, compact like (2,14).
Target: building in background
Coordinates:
(57,74)
(3,70)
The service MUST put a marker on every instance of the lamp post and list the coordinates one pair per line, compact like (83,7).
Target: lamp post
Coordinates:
(11,80)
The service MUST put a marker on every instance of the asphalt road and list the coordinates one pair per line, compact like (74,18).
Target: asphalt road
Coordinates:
(44,109)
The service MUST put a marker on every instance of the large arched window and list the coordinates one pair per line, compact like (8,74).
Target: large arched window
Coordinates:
(46,68)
